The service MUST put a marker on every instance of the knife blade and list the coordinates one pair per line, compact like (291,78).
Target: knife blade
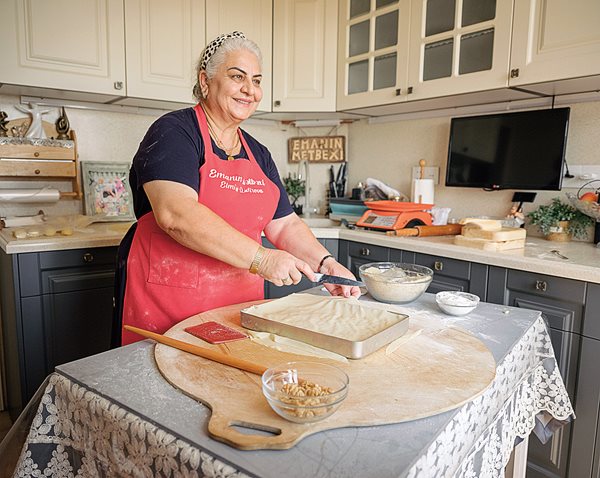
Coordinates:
(327,279)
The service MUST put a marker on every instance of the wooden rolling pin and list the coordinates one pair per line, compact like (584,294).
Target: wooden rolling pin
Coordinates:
(200,351)
(424,231)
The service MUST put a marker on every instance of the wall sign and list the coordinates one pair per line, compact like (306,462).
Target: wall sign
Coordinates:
(317,149)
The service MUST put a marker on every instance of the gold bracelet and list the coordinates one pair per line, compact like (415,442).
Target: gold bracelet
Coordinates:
(256,261)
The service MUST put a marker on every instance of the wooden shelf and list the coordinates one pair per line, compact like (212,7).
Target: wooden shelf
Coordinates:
(41,162)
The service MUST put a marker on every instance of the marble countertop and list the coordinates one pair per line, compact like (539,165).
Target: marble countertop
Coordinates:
(583,261)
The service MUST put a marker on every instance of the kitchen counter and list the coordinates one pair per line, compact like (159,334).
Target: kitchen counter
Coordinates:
(583,261)
(98,234)
(155,426)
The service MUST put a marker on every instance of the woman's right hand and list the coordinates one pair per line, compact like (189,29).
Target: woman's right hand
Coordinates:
(282,268)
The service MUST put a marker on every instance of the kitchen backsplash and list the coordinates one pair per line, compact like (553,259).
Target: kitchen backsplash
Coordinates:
(385,151)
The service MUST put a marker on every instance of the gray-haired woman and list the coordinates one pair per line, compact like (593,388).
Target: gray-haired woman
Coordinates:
(204,192)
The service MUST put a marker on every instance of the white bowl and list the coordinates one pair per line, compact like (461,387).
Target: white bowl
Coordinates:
(395,282)
(456,303)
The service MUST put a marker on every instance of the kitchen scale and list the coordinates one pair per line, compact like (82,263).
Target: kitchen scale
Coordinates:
(393,215)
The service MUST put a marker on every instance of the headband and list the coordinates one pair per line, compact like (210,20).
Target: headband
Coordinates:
(214,45)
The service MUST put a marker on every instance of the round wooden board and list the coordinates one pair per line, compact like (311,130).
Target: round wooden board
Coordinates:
(432,372)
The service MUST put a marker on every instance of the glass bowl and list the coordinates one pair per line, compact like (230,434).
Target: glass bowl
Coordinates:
(395,282)
(456,303)
(304,392)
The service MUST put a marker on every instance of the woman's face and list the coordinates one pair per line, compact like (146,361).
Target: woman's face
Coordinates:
(235,92)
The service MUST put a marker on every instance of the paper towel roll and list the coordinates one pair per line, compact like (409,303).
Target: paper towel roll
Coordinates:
(29,195)
(422,191)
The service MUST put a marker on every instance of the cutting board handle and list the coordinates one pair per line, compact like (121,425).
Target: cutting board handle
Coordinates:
(223,428)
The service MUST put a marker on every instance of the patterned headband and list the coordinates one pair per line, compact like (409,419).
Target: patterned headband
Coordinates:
(214,45)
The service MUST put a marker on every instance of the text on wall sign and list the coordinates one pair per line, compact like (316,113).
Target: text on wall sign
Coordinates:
(318,149)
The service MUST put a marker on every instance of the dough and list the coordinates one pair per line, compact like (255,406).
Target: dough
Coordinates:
(334,316)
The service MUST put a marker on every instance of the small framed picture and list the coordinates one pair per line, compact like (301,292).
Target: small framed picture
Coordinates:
(106,190)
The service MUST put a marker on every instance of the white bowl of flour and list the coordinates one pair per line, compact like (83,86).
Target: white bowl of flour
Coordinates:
(395,282)
(456,303)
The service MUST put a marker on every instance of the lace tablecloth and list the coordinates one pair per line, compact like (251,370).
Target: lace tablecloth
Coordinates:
(78,432)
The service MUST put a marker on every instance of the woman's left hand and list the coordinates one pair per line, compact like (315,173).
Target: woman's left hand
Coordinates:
(334,268)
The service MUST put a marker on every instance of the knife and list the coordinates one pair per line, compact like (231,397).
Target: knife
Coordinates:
(327,279)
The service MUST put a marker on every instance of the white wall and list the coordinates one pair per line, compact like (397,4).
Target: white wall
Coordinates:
(385,151)
(115,136)
(388,151)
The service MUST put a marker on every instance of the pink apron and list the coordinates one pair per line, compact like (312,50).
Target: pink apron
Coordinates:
(167,282)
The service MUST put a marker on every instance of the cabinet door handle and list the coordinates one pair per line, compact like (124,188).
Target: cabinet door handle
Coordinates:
(514,73)
(118,85)
(409,90)
(88,257)
(438,265)
(276,103)
(541,285)
(365,252)
(398,91)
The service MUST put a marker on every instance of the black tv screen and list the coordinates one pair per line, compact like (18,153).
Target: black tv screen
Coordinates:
(520,150)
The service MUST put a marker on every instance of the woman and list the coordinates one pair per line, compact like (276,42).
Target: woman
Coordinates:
(204,192)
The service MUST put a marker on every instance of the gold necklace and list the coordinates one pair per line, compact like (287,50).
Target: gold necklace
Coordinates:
(215,136)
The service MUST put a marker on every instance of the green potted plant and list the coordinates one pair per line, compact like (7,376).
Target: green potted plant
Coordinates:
(296,188)
(558,221)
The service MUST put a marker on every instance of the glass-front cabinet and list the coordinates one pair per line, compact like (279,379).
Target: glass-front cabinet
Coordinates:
(372,51)
(458,46)
(398,50)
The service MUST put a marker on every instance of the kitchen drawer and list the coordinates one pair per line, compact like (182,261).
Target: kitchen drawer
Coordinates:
(36,267)
(368,253)
(38,168)
(78,257)
(444,266)
(557,288)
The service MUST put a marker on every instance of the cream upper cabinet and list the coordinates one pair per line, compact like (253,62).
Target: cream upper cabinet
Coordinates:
(373,40)
(555,40)
(255,19)
(163,42)
(304,55)
(65,45)
(458,46)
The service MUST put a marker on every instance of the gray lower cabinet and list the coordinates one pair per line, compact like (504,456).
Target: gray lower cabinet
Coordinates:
(585,450)
(274,292)
(571,309)
(585,446)
(56,308)
(561,302)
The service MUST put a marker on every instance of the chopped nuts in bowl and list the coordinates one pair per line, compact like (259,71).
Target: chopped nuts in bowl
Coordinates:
(305,392)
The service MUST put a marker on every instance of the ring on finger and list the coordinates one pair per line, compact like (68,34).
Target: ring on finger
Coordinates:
(287,280)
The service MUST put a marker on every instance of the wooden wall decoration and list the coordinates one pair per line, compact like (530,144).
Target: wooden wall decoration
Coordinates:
(317,149)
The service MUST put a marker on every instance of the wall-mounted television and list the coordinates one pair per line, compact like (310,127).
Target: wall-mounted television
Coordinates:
(518,150)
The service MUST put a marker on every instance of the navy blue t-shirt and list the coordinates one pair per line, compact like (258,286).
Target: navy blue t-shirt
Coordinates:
(173,150)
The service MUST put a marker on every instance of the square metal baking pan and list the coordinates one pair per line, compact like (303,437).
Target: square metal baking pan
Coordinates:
(347,348)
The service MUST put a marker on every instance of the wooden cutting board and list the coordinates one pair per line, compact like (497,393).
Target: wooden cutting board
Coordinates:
(488,245)
(432,372)
(503,234)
